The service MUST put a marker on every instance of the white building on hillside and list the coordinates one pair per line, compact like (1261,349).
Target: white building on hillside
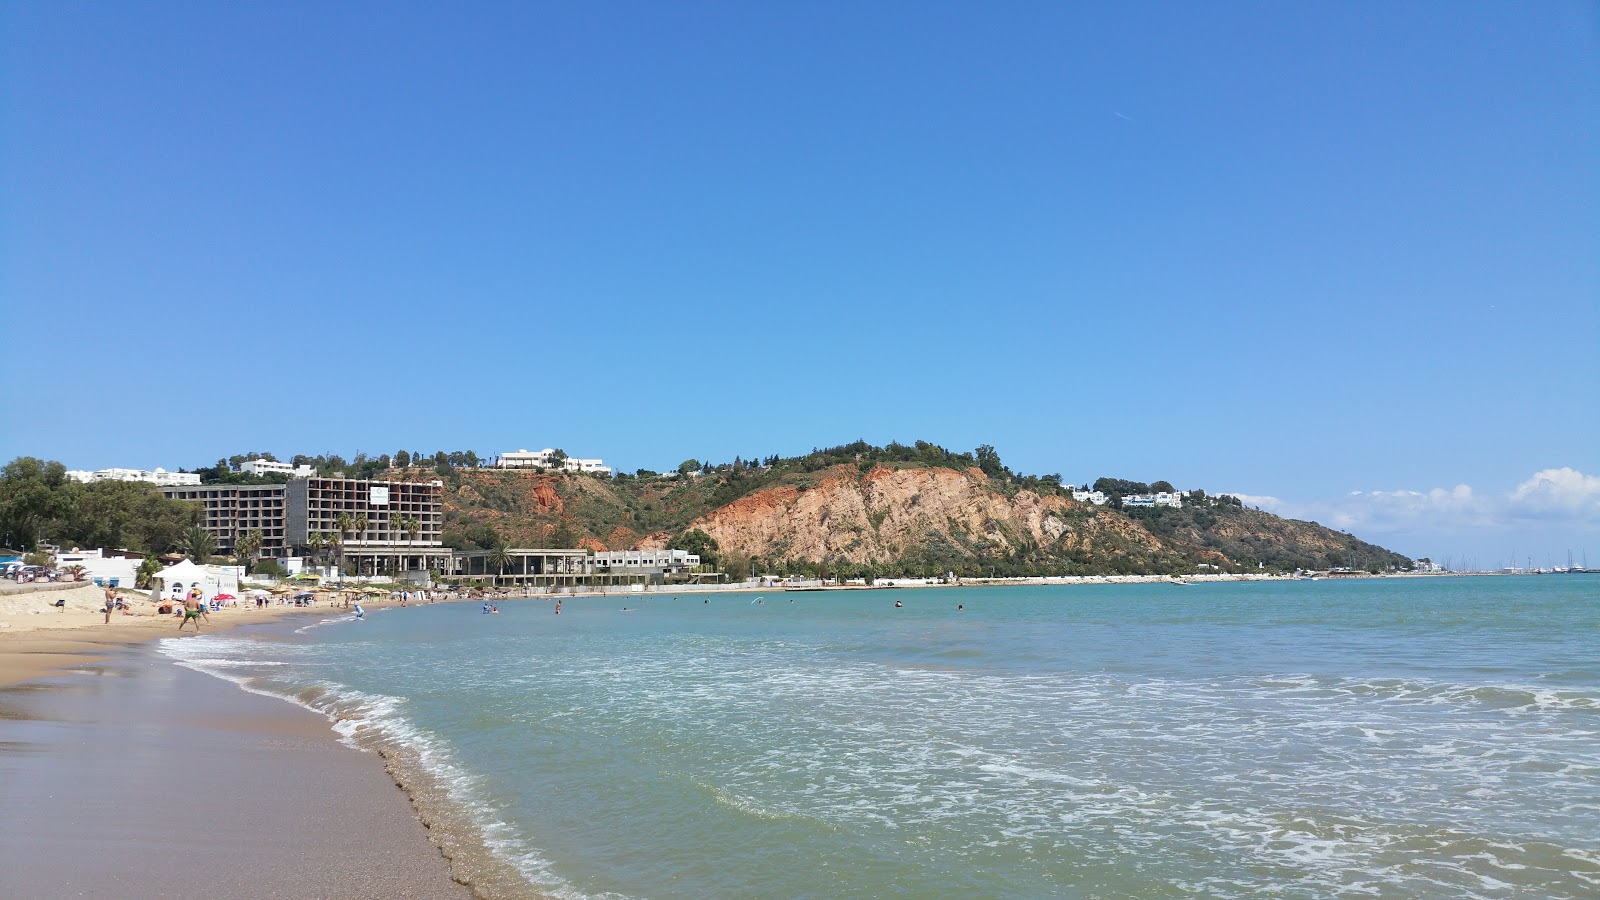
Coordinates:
(159,476)
(1164,498)
(268,467)
(545,459)
(1173,499)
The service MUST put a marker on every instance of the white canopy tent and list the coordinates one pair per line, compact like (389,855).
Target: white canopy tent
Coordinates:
(179,578)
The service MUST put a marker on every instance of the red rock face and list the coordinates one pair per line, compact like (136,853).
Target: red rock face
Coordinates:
(879,515)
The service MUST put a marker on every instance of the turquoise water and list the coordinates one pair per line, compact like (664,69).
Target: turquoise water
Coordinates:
(1434,737)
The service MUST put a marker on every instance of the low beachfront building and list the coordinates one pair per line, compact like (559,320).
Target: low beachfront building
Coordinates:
(272,467)
(102,568)
(528,567)
(1095,497)
(649,562)
(546,459)
(158,477)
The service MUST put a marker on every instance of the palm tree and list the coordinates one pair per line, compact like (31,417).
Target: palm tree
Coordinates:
(336,547)
(413,525)
(500,557)
(315,542)
(198,544)
(361,524)
(344,522)
(248,546)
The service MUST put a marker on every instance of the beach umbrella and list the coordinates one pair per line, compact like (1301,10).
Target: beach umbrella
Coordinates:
(225,597)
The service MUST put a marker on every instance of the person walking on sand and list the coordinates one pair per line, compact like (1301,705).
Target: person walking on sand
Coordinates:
(191,610)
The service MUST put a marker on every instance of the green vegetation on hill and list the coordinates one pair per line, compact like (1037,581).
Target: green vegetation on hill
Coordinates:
(995,528)
(551,509)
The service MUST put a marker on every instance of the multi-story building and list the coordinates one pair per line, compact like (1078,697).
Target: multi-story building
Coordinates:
(545,459)
(403,520)
(229,511)
(271,467)
(159,477)
(382,526)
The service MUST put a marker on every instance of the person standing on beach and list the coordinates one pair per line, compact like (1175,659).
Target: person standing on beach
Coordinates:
(111,601)
(200,603)
(191,610)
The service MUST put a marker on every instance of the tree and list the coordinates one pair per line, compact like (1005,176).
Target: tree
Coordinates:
(343,522)
(360,526)
(500,557)
(410,525)
(31,494)
(1161,487)
(147,570)
(688,466)
(249,547)
(697,542)
(198,544)
(315,542)
(402,460)
(989,461)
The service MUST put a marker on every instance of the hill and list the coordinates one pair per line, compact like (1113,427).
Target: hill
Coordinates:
(896,510)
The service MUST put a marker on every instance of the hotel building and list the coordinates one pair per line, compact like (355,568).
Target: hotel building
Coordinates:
(288,514)
(230,511)
(313,506)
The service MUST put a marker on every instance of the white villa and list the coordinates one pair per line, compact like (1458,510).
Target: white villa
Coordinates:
(544,459)
(1173,499)
(159,476)
(269,467)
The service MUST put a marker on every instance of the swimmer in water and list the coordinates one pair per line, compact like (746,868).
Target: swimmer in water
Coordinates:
(959,607)
(898,604)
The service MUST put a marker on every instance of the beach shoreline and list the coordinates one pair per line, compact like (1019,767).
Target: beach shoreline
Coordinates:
(127,754)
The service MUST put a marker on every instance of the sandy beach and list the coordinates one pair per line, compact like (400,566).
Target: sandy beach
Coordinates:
(128,776)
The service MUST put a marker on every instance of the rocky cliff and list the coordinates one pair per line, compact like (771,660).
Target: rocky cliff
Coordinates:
(890,518)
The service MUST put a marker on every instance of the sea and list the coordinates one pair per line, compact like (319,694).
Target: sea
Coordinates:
(1408,737)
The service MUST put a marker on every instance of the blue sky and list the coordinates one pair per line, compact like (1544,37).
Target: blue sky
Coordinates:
(1337,257)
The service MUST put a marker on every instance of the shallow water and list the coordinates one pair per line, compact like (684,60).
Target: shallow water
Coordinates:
(1389,737)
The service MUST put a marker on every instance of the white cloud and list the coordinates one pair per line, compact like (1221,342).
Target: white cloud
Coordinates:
(1563,492)
(1551,495)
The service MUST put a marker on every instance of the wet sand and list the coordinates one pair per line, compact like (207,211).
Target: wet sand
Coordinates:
(128,776)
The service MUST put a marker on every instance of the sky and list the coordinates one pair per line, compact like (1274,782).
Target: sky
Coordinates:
(1341,259)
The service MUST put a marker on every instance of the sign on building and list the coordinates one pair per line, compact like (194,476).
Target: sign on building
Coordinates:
(379,496)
